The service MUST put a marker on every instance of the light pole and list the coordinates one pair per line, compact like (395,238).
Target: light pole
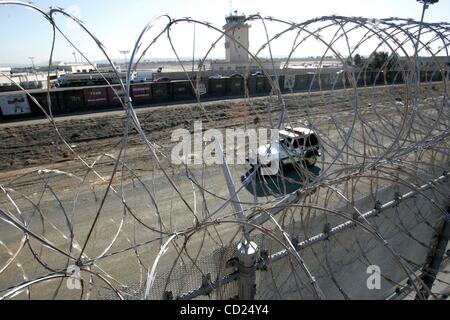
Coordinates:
(32,67)
(426,3)
(124,52)
(32,63)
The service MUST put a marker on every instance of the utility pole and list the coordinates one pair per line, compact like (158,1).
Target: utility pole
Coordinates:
(75,56)
(32,63)
(425,6)
(193,52)
(247,250)
(33,69)
(125,52)
(431,269)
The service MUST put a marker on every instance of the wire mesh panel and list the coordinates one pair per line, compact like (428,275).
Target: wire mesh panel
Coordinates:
(342,262)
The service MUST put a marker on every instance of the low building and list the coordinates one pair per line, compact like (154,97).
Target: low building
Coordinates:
(69,67)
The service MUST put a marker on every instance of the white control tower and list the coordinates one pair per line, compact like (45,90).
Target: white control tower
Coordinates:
(236,29)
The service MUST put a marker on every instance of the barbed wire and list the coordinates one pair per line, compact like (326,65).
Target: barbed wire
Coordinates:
(137,226)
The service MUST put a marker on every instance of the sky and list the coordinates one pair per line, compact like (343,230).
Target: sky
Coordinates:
(116,23)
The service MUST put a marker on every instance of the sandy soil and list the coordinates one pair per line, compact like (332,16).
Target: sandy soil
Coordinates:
(27,144)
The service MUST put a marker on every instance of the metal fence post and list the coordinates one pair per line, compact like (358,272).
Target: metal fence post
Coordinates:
(246,253)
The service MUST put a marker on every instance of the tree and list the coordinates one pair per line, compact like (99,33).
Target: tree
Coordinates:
(358,60)
(381,60)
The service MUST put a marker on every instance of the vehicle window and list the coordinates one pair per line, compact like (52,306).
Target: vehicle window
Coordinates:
(312,140)
(298,143)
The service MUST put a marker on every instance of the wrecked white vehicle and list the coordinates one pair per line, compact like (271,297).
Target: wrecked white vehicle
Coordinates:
(294,145)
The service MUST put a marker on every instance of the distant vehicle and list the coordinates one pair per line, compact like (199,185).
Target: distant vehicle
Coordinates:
(257,73)
(142,76)
(162,79)
(236,75)
(295,145)
(216,76)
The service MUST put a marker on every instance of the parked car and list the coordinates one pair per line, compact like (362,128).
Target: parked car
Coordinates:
(236,75)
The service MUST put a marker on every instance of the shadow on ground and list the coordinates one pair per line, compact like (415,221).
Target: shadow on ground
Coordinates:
(288,180)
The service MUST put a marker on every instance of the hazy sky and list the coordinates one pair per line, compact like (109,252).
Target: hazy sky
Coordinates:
(116,23)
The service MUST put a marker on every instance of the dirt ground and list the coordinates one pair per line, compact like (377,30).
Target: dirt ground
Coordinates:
(27,144)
